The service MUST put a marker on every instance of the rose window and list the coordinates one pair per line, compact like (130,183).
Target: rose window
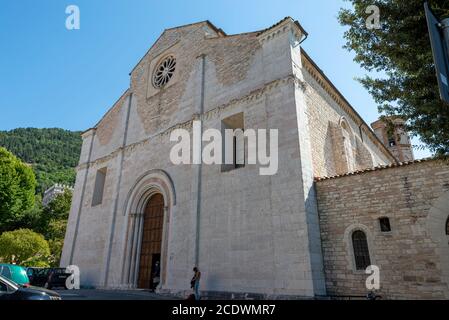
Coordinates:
(164,72)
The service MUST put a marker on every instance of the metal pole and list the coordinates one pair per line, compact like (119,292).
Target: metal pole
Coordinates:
(445,28)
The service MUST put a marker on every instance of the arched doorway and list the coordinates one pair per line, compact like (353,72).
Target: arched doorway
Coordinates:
(148,185)
(151,245)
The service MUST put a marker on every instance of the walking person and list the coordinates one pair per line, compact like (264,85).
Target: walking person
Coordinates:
(156,275)
(195,283)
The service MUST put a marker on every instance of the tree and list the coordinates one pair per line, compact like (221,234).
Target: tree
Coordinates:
(24,247)
(59,207)
(57,210)
(400,49)
(56,246)
(30,219)
(17,187)
(53,153)
(54,222)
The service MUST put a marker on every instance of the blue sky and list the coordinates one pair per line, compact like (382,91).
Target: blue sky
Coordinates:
(53,77)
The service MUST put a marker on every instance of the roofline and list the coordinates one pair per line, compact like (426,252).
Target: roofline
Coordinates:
(378,168)
(296,22)
(301,28)
(213,26)
(87,130)
(127,91)
(210,24)
(221,33)
(362,122)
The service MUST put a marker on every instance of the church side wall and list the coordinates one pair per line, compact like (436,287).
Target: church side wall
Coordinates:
(414,257)
(325,116)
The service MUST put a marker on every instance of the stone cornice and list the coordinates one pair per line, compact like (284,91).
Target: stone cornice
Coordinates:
(273,33)
(101,160)
(281,27)
(285,25)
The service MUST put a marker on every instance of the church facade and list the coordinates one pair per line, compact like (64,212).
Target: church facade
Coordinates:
(140,221)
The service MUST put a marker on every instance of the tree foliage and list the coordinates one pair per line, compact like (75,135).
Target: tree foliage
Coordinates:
(29,219)
(56,214)
(53,224)
(17,187)
(24,247)
(50,222)
(52,153)
(400,51)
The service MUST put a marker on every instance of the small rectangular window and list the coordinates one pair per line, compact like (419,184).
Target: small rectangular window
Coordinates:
(391,141)
(385,224)
(234,142)
(100,180)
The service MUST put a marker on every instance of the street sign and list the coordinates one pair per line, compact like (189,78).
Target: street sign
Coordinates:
(440,52)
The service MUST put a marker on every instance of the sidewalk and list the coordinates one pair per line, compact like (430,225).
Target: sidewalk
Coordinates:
(94,294)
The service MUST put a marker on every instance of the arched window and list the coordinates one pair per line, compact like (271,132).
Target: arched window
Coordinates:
(447,226)
(361,252)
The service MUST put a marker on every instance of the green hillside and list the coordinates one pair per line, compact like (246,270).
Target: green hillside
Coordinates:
(53,153)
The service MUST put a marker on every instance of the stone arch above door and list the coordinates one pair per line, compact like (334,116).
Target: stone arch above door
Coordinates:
(147,185)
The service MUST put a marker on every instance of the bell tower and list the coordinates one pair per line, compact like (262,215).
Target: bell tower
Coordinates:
(390,130)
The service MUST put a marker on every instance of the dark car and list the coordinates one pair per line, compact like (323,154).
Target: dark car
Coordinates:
(48,277)
(10,290)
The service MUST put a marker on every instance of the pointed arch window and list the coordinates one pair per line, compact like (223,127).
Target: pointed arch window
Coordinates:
(361,251)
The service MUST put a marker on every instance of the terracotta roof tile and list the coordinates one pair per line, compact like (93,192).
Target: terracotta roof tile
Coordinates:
(393,165)
(283,20)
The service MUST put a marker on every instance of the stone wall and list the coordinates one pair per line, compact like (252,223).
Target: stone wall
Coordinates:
(413,257)
(325,118)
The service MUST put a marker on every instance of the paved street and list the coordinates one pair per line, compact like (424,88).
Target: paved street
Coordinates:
(90,294)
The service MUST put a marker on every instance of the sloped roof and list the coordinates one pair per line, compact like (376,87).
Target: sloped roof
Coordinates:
(210,24)
(378,168)
(282,21)
(220,32)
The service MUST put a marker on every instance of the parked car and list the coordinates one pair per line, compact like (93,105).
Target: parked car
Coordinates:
(48,277)
(15,273)
(9,290)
